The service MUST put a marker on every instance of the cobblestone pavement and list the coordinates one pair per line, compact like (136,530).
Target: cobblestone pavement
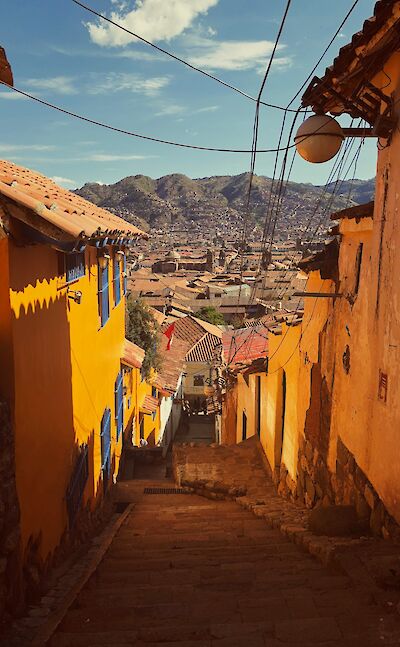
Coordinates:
(235,566)
(184,570)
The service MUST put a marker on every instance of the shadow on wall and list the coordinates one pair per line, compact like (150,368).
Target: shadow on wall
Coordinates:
(45,445)
(11,587)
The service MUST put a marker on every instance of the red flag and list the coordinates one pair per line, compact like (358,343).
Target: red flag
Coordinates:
(169,333)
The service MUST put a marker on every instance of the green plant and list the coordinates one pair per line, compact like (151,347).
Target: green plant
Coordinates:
(210,314)
(142,329)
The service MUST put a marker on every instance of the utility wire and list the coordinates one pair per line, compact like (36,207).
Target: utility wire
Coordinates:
(129,132)
(337,32)
(268,218)
(254,149)
(174,56)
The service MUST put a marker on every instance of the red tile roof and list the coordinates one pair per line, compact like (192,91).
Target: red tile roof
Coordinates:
(381,31)
(6,75)
(200,336)
(63,209)
(149,404)
(245,345)
(173,363)
(132,355)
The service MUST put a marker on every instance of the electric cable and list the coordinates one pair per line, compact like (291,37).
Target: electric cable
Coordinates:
(254,146)
(174,56)
(122,131)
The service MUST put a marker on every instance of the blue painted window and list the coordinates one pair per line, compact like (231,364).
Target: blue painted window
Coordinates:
(104,305)
(125,275)
(117,280)
(77,484)
(74,266)
(119,404)
(105,436)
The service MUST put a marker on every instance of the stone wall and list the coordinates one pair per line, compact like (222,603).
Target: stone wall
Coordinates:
(316,485)
(11,581)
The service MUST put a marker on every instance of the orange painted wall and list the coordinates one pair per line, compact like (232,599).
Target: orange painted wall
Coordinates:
(65,368)
(6,354)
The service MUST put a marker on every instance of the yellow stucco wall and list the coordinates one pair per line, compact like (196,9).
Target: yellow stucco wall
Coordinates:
(65,370)
(367,425)
(151,424)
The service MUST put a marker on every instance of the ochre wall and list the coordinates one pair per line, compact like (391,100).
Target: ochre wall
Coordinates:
(151,426)
(246,402)
(65,368)
(229,415)
(368,426)
(6,354)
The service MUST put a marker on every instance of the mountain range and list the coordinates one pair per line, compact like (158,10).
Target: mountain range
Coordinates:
(156,203)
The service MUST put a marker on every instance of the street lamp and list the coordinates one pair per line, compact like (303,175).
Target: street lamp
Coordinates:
(320,137)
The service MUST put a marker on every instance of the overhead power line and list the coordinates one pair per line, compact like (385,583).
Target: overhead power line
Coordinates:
(254,146)
(335,35)
(122,131)
(175,57)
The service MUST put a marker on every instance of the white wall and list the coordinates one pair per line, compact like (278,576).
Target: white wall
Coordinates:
(170,415)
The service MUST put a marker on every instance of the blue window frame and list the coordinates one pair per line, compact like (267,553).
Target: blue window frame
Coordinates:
(105,436)
(74,266)
(125,275)
(119,404)
(104,304)
(117,280)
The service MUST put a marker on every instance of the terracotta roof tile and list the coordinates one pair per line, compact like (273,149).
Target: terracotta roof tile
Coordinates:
(132,355)
(356,58)
(173,362)
(359,211)
(65,210)
(149,404)
(244,345)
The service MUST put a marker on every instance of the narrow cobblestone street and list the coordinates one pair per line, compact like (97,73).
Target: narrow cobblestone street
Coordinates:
(185,570)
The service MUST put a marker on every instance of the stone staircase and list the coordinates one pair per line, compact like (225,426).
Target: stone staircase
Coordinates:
(186,570)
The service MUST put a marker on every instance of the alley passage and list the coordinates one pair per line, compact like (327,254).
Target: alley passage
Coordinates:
(187,570)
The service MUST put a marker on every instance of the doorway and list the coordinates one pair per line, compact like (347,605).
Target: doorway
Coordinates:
(280,422)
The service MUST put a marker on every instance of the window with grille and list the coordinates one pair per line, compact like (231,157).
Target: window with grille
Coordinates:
(119,404)
(105,436)
(74,266)
(76,487)
(104,305)
(117,280)
(198,380)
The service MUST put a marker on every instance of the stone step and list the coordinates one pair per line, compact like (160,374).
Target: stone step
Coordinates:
(194,559)
(188,634)
(99,619)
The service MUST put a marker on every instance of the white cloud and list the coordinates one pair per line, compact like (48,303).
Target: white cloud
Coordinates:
(64,180)
(170,110)
(57,84)
(122,81)
(10,95)
(234,55)
(134,54)
(12,148)
(207,109)
(153,19)
(105,157)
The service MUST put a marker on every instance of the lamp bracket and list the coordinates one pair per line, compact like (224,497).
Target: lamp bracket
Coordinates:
(366,102)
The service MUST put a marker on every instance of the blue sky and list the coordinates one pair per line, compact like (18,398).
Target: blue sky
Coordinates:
(64,55)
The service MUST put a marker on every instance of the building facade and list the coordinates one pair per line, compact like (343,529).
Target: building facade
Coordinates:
(62,333)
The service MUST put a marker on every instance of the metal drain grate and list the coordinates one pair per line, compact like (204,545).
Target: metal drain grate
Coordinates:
(164,490)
